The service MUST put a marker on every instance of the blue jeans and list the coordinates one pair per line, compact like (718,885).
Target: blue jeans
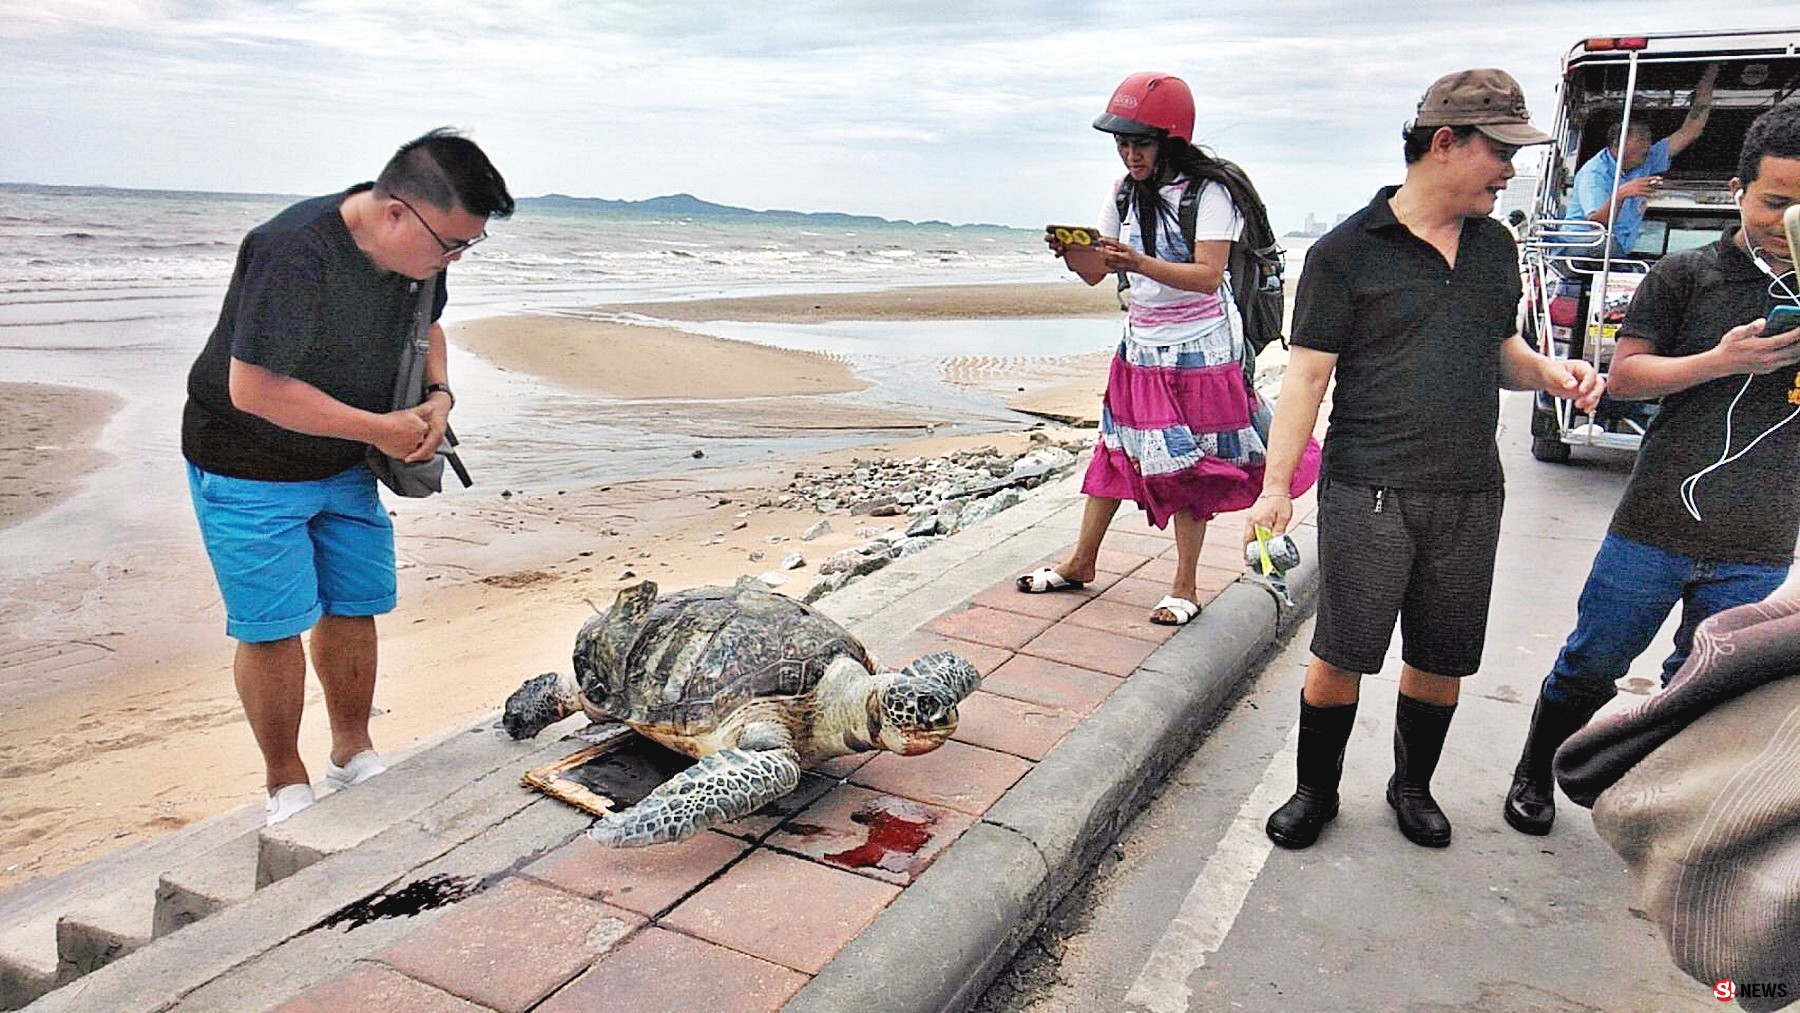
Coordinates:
(1629,592)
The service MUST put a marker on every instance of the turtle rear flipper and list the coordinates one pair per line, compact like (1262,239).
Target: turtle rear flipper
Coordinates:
(540,703)
(722,787)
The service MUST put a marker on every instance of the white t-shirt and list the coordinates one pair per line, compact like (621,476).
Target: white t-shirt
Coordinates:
(1161,315)
(1216,219)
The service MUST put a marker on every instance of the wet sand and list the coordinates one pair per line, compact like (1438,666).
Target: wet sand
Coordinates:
(939,302)
(47,442)
(1065,389)
(632,361)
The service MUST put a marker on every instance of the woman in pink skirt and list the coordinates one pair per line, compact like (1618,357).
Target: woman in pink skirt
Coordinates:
(1177,435)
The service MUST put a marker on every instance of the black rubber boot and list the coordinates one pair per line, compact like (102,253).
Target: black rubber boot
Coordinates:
(1419,730)
(1531,804)
(1320,763)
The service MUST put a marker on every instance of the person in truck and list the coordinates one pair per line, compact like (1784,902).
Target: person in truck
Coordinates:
(1639,163)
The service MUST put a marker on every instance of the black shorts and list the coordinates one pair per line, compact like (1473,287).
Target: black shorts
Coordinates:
(1427,557)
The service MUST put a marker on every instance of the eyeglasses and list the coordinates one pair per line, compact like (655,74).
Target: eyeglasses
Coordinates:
(450,249)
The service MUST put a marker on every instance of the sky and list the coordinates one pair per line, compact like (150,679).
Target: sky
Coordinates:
(959,110)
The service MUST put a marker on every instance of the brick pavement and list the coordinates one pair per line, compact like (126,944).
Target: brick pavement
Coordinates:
(741,917)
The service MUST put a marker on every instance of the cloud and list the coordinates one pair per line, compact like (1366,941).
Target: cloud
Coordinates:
(966,111)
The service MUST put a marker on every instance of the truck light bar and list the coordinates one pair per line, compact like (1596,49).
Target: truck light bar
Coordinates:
(1603,44)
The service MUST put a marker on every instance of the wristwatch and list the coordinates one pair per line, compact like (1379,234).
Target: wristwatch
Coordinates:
(433,388)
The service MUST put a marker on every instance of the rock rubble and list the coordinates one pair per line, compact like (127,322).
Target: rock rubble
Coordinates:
(930,498)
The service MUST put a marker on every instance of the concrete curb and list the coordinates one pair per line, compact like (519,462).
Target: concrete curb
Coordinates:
(940,944)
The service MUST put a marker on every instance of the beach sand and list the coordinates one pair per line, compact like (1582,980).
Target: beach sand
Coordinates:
(1065,389)
(933,302)
(47,436)
(632,361)
(124,724)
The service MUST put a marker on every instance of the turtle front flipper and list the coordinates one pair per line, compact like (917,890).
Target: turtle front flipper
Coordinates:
(722,787)
(540,703)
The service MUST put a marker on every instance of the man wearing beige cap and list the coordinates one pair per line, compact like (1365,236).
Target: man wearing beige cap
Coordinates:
(1411,303)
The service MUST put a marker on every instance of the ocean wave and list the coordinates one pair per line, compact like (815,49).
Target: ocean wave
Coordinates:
(160,240)
(206,244)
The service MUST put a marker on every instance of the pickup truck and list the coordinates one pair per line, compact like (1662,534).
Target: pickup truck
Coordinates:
(1576,285)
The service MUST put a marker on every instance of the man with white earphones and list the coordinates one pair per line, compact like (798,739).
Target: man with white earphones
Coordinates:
(1711,514)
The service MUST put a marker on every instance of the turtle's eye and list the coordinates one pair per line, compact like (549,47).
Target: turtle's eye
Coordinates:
(940,711)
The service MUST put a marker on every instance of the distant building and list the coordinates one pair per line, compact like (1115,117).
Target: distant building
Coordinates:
(1314,228)
(1519,194)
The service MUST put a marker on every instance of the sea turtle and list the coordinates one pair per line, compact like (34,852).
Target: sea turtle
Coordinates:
(752,683)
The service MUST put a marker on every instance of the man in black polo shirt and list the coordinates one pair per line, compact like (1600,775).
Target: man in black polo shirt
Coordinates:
(1411,302)
(1710,516)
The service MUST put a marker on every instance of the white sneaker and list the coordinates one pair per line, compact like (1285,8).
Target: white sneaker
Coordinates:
(287,800)
(361,767)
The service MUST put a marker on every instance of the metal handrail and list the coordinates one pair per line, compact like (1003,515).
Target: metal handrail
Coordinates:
(1557,246)
(1564,232)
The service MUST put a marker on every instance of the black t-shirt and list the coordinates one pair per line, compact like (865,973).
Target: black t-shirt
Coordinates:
(1750,507)
(306,303)
(1418,345)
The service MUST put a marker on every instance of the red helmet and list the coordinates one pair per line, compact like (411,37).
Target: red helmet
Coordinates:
(1150,105)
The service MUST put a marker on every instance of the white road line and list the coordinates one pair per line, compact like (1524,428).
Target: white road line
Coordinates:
(1212,905)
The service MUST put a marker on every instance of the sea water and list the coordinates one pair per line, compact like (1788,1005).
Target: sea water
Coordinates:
(118,290)
(70,240)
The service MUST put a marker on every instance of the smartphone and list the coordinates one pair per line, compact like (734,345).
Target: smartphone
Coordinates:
(1074,235)
(1081,247)
(1782,319)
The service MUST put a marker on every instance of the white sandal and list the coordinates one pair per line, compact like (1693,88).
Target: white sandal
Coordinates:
(1183,610)
(1045,578)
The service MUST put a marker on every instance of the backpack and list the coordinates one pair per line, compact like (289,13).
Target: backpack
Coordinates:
(1257,262)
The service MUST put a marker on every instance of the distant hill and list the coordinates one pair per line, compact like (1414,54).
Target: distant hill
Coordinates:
(675,205)
(686,205)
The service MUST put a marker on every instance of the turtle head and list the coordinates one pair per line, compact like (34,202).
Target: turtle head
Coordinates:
(916,710)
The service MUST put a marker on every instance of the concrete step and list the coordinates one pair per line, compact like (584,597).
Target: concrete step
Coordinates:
(27,966)
(101,931)
(407,789)
(66,927)
(206,883)
(30,913)
(475,800)
(320,954)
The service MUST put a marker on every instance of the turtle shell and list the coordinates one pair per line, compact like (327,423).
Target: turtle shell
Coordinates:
(683,661)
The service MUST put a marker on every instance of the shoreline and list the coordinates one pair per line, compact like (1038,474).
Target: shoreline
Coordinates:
(924,302)
(638,362)
(49,440)
(121,672)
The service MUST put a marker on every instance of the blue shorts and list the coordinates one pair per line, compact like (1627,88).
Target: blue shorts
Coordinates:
(286,553)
